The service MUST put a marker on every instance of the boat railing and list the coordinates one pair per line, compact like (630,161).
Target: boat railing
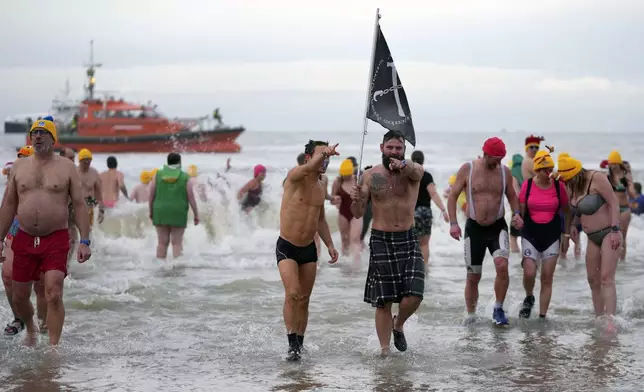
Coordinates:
(196,124)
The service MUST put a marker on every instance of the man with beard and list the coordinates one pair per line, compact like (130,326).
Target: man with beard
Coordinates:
(301,216)
(487,181)
(396,266)
(38,192)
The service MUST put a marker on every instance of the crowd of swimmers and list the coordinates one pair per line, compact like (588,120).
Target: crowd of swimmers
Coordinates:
(551,203)
(47,204)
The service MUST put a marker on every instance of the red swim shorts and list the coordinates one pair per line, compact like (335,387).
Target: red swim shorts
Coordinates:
(33,255)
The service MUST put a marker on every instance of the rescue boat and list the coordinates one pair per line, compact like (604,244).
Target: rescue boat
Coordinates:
(110,125)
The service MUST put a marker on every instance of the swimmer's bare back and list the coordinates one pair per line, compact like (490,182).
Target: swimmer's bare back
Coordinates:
(111,184)
(43,193)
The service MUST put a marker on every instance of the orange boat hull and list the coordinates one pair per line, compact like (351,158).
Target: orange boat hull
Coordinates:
(201,142)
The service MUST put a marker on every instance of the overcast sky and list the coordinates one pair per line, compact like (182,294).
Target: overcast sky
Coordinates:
(466,65)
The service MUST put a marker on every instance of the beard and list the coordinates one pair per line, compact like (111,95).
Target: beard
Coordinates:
(386,160)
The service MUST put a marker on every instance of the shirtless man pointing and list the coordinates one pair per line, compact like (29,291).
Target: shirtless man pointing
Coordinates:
(38,193)
(487,181)
(301,216)
(396,265)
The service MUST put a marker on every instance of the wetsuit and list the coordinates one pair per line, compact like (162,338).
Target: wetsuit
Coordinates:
(478,238)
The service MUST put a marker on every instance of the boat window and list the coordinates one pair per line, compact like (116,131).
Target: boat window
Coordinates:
(98,114)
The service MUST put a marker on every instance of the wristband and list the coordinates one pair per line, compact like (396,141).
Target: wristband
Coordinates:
(517,212)
(85,242)
(453,223)
(404,163)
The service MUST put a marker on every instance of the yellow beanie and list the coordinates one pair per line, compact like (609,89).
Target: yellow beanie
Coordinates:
(542,160)
(568,167)
(146,177)
(84,154)
(346,167)
(192,170)
(48,126)
(615,158)
(452,180)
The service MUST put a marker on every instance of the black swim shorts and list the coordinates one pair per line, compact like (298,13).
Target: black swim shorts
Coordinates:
(300,254)
(478,238)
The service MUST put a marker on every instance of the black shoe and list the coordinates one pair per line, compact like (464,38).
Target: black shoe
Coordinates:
(293,348)
(528,303)
(293,354)
(399,338)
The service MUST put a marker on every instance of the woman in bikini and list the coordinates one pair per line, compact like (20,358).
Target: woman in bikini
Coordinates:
(350,226)
(622,183)
(593,201)
(541,200)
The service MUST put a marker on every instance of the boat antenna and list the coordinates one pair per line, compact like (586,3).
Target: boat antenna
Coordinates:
(91,70)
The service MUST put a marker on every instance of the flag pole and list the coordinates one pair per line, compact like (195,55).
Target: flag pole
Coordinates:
(368,95)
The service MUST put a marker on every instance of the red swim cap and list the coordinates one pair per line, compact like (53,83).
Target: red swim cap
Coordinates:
(259,169)
(494,147)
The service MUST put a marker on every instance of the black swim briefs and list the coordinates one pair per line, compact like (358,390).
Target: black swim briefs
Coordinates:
(300,254)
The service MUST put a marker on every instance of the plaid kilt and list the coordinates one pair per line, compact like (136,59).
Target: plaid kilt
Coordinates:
(396,268)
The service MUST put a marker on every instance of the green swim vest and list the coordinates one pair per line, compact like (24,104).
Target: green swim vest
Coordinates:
(170,205)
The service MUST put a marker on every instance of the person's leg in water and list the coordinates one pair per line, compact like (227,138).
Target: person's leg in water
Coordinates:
(355,243)
(624,222)
(15,326)
(289,273)
(344,226)
(24,309)
(385,323)
(548,267)
(41,302)
(55,309)
(607,268)
(306,277)
(501,285)
(529,266)
(176,238)
(423,228)
(163,240)
(593,264)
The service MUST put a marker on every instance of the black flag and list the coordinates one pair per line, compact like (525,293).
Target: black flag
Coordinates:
(388,104)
